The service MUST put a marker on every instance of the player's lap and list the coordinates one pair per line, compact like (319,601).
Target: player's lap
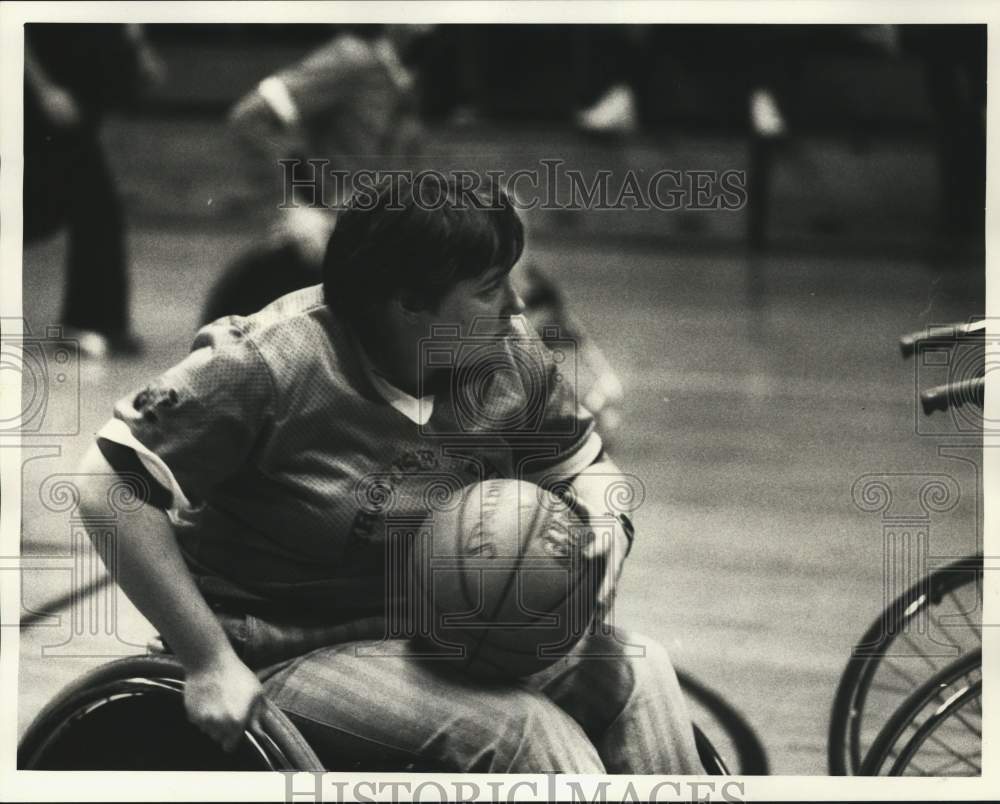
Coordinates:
(380,702)
(347,684)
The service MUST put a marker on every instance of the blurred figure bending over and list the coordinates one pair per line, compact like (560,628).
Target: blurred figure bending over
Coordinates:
(351,104)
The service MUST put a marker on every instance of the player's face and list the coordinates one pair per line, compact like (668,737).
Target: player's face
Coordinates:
(483,305)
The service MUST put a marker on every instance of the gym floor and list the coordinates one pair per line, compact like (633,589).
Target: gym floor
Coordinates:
(757,393)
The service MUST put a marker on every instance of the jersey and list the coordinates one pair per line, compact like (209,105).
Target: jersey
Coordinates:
(290,462)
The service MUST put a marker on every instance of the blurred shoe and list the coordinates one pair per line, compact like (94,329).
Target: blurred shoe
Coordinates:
(765,116)
(93,345)
(614,113)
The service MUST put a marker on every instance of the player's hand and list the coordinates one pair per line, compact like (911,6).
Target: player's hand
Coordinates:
(223,700)
(60,107)
(604,546)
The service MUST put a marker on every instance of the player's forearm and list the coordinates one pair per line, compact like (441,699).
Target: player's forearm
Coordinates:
(150,569)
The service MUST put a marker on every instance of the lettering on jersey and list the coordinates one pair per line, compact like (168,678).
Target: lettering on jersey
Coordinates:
(389,491)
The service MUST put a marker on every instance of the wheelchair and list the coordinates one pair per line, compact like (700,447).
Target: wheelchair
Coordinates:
(103,720)
(910,700)
(895,717)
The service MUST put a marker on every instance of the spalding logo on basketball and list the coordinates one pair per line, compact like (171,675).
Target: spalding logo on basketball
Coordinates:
(501,581)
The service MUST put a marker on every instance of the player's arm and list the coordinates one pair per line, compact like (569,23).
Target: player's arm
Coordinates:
(222,694)
(174,440)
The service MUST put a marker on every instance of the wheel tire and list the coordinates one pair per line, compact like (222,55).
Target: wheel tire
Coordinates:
(845,750)
(83,726)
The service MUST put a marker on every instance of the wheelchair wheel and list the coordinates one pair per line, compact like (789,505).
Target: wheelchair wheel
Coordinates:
(718,723)
(935,623)
(129,715)
(938,730)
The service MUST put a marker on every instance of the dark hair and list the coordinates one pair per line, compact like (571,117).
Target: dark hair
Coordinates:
(419,239)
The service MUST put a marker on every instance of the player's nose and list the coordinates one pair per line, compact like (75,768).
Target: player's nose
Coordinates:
(513,303)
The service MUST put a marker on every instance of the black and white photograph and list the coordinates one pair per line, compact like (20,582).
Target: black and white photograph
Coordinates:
(469,402)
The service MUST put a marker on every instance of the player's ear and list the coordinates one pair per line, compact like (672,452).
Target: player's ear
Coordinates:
(408,305)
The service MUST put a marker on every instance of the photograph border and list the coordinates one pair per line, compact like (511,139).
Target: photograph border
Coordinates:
(116,786)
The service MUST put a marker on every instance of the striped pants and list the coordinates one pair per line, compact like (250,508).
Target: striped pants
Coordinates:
(613,706)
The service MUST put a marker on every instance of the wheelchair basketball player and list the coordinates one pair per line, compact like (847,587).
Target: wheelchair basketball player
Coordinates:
(264,569)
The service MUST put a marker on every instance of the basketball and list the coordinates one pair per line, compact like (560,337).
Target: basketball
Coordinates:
(500,580)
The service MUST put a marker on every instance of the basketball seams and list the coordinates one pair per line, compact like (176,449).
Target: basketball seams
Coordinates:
(486,519)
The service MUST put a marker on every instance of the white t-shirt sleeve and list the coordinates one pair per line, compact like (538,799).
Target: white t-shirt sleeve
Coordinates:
(118,432)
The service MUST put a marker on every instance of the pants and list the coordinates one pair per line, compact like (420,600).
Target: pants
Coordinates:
(68,184)
(613,706)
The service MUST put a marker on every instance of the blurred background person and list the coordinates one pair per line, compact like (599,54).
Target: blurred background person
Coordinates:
(349,104)
(73,75)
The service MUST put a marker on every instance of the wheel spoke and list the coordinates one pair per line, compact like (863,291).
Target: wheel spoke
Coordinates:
(976,629)
(957,714)
(927,753)
(899,672)
(958,756)
(952,763)
(955,728)
(883,687)
(909,641)
(969,728)
(949,637)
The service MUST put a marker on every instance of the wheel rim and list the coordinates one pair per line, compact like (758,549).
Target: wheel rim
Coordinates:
(952,697)
(877,681)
